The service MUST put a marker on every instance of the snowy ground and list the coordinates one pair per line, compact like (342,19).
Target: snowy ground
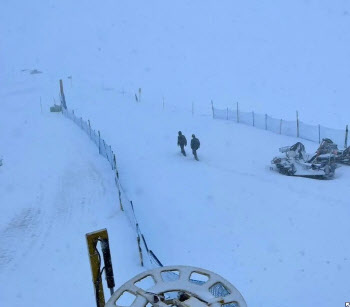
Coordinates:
(54,188)
(281,241)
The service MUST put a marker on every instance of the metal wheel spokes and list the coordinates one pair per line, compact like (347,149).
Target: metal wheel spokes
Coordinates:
(177,286)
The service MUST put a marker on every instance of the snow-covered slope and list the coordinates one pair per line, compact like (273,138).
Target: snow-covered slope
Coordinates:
(282,241)
(54,188)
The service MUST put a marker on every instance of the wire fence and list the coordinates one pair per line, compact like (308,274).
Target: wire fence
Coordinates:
(295,128)
(147,256)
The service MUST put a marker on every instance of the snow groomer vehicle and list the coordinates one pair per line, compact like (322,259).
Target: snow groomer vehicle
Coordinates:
(296,162)
(327,146)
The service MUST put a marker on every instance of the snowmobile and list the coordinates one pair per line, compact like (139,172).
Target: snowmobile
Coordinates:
(296,162)
(328,147)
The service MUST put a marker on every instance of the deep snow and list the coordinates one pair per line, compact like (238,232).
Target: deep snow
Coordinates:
(278,239)
(281,241)
(54,188)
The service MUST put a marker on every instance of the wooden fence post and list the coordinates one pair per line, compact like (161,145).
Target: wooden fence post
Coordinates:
(346,137)
(63,98)
(297,124)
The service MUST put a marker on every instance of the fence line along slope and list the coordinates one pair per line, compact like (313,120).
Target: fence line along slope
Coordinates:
(229,206)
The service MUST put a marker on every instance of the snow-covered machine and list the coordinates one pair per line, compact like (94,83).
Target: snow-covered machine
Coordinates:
(176,286)
(327,146)
(296,162)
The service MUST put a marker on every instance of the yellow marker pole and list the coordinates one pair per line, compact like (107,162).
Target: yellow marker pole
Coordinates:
(92,239)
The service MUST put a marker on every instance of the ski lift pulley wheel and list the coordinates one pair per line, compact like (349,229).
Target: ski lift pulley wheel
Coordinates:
(197,294)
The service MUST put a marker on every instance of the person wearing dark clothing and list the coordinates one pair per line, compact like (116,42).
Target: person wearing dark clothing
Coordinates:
(195,144)
(182,142)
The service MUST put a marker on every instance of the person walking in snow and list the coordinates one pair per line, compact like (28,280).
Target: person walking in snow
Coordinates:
(182,142)
(195,144)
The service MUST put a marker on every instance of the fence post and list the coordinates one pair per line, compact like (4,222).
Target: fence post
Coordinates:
(120,200)
(281,126)
(63,98)
(346,137)
(297,124)
(319,134)
(99,142)
(253,119)
(140,249)
(104,146)
(115,161)
(227,113)
(212,108)
(265,121)
(89,128)
(237,112)
(116,180)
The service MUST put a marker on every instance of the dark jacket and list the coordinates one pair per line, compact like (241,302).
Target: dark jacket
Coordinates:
(195,144)
(181,140)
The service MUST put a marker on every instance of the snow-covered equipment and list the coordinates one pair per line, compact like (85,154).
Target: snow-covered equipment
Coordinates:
(327,146)
(296,162)
(56,108)
(177,286)
(181,286)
